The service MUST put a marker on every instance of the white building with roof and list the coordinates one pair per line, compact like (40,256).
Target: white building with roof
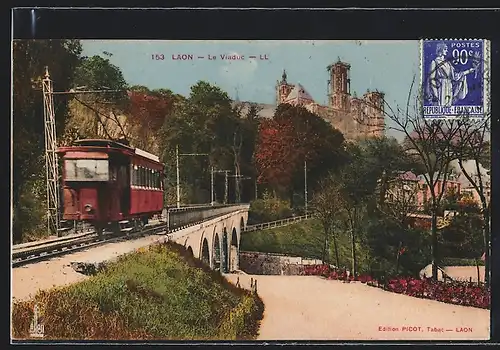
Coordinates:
(466,186)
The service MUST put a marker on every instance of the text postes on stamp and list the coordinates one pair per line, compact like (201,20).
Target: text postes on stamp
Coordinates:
(454,77)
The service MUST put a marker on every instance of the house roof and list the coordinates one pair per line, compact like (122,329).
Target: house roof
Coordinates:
(408,175)
(440,178)
(299,93)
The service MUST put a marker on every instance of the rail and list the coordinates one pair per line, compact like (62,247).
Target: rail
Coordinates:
(34,251)
(277,223)
(31,254)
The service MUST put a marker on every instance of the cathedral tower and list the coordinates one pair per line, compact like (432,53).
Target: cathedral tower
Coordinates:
(374,101)
(340,85)
(283,89)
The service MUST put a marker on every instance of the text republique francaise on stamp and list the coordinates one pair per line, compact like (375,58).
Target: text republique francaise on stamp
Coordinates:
(455,78)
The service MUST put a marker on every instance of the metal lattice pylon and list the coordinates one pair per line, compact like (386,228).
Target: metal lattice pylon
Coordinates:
(51,164)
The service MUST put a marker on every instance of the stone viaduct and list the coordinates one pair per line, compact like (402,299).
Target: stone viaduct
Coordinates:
(216,241)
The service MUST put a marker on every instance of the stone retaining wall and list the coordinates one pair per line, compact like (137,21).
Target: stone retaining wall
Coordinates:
(257,263)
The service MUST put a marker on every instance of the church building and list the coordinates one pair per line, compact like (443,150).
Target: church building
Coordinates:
(355,117)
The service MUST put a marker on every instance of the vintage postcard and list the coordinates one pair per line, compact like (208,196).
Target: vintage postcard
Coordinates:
(251,190)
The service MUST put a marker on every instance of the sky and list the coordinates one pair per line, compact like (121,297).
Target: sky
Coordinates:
(388,66)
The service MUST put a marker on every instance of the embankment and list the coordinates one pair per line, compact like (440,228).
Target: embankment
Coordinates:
(160,292)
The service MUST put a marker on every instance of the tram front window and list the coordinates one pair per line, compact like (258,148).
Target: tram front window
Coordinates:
(87,169)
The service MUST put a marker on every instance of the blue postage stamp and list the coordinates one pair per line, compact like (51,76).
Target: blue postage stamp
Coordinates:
(455,78)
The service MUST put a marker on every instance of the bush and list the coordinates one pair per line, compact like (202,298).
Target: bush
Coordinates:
(461,293)
(463,238)
(157,293)
(29,219)
(385,238)
(269,209)
(456,292)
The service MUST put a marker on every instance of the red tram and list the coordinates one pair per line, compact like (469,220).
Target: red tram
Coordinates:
(110,184)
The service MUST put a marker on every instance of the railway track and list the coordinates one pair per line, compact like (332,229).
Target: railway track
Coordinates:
(177,219)
(28,253)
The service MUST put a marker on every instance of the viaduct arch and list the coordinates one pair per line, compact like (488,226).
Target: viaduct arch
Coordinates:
(217,242)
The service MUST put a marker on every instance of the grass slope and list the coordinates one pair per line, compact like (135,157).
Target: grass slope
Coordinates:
(156,293)
(304,239)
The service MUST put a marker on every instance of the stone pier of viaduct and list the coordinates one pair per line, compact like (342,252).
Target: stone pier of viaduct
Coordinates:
(216,241)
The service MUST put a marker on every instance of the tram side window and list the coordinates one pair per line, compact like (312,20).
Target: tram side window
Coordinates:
(136,170)
(133,175)
(141,176)
(87,170)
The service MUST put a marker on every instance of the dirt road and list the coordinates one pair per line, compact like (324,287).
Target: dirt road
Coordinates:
(301,307)
(311,308)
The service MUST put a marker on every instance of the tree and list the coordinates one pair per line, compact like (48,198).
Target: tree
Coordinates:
(98,114)
(462,238)
(273,154)
(30,57)
(205,122)
(379,191)
(433,143)
(147,113)
(475,146)
(388,159)
(294,136)
(358,183)
(327,204)
(250,127)
(402,199)
(393,248)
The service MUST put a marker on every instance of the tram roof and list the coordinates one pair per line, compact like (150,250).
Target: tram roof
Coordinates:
(115,144)
(102,143)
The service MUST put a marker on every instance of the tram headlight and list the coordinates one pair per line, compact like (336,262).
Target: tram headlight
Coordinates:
(88,208)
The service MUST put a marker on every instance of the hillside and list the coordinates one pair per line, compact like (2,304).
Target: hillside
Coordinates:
(156,293)
(305,239)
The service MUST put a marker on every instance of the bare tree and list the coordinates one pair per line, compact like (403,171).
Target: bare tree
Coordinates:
(328,203)
(434,142)
(105,119)
(401,200)
(475,147)
(353,213)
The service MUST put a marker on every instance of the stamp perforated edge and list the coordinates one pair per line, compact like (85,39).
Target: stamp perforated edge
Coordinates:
(486,70)
(487,77)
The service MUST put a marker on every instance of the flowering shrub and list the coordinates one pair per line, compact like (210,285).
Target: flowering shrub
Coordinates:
(456,292)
